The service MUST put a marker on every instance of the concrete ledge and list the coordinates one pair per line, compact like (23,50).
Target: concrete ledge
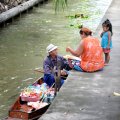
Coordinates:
(85,96)
(17,10)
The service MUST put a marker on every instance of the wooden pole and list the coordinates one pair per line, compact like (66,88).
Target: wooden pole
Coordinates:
(58,77)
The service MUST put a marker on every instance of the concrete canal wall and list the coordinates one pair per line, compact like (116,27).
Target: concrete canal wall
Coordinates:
(9,14)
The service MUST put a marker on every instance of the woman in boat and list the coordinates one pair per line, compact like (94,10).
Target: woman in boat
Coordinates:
(52,64)
(90,52)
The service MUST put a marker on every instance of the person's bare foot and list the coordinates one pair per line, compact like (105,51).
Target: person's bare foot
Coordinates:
(106,64)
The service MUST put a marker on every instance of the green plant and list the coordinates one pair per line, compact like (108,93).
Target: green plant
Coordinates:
(60,4)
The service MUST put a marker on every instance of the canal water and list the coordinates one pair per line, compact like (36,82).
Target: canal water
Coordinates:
(23,43)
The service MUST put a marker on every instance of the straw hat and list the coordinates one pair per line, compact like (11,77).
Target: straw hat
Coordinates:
(51,47)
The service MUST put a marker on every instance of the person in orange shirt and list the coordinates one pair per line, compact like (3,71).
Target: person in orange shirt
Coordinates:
(90,52)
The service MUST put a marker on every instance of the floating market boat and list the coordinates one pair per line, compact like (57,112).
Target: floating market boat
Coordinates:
(32,102)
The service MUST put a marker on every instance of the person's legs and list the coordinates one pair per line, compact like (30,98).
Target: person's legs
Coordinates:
(49,79)
(107,55)
(78,68)
(76,65)
(107,58)
(62,82)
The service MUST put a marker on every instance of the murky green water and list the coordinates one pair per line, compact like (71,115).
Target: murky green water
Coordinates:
(22,44)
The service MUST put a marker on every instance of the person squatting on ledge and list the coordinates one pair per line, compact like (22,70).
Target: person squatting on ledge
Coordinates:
(90,52)
(52,63)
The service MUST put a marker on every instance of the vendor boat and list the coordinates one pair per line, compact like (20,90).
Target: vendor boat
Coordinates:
(32,106)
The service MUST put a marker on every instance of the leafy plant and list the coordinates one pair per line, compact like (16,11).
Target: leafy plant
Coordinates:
(60,4)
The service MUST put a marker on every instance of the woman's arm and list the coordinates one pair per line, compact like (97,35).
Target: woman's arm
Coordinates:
(76,52)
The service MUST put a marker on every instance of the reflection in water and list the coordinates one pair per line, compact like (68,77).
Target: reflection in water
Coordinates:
(22,44)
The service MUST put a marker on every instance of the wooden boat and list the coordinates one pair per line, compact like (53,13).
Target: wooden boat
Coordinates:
(21,111)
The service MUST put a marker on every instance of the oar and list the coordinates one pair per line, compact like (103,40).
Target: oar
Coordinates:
(38,70)
(42,71)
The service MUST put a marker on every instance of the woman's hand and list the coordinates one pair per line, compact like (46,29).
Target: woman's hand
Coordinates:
(68,49)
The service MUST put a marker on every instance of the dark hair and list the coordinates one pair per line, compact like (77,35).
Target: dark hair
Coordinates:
(86,31)
(108,24)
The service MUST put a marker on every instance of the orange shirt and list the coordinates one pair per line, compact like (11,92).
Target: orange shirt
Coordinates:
(92,56)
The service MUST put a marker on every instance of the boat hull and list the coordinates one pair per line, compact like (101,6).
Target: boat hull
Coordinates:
(20,109)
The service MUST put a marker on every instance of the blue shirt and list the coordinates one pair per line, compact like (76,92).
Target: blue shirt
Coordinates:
(104,42)
(51,64)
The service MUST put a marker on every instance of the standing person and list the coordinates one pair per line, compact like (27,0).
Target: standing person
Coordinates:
(106,41)
(50,65)
(90,52)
